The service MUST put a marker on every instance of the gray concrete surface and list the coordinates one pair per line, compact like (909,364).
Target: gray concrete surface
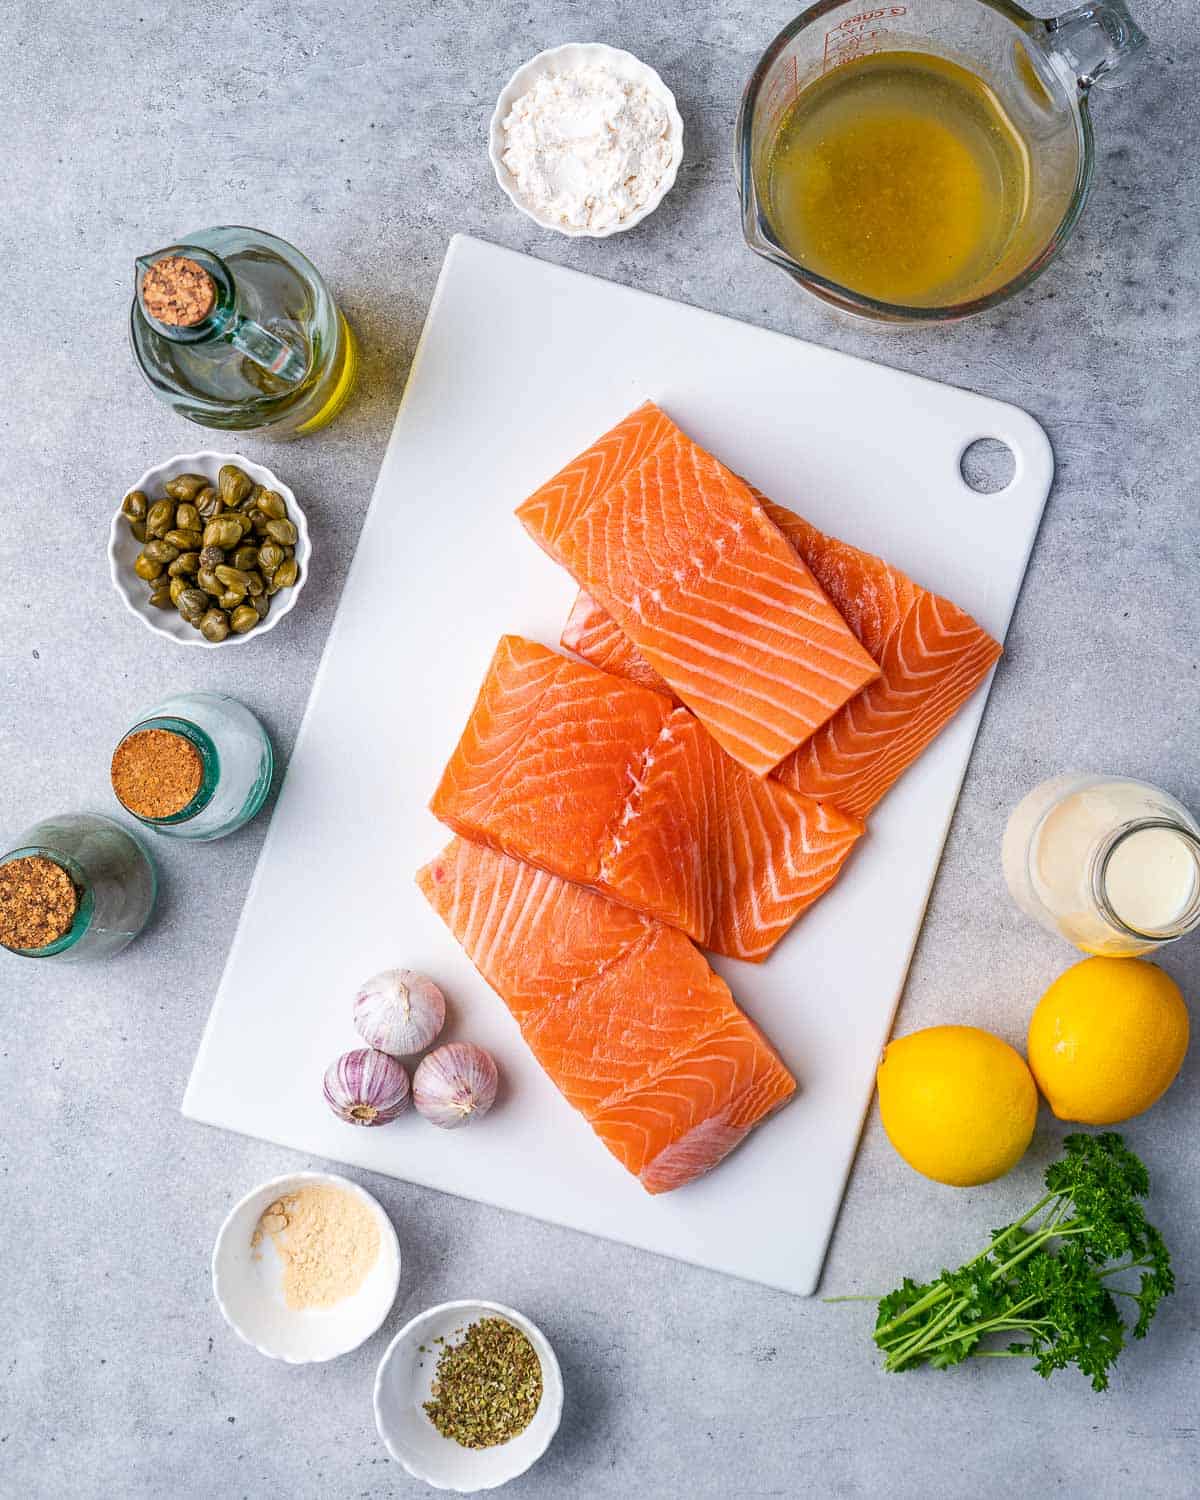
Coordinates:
(357,131)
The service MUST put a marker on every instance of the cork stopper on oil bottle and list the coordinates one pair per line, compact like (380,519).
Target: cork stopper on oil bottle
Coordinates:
(178,292)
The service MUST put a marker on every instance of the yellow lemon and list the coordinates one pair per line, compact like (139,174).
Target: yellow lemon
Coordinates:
(1107,1039)
(957,1103)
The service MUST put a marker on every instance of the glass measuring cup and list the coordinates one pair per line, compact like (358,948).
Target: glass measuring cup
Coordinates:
(1041,72)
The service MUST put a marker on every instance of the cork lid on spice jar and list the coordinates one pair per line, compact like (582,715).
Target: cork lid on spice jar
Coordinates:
(38,903)
(156,773)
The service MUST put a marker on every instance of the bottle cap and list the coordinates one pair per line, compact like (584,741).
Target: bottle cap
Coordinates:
(178,292)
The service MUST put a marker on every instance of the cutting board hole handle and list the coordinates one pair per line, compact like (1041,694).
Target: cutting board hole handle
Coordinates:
(987,466)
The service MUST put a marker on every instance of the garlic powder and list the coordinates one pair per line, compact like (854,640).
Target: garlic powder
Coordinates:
(586,147)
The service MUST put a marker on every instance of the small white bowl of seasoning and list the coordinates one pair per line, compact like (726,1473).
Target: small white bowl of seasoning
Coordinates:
(306,1267)
(586,140)
(405,1383)
(123,549)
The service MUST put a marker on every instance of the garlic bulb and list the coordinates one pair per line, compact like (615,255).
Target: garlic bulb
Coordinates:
(399,1012)
(366,1087)
(455,1084)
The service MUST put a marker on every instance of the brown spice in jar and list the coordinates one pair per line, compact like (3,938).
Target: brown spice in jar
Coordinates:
(38,902)
(156,773)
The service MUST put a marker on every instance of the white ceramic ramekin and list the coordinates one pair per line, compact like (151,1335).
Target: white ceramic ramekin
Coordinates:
(123,548)
(403,1385)
(248,1288)
(562,60)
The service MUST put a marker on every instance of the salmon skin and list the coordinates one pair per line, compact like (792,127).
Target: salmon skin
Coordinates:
(932,653)
(602,782)
(681,553)
(623,1014)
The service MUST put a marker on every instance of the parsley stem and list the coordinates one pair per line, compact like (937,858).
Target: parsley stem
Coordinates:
(940,1291)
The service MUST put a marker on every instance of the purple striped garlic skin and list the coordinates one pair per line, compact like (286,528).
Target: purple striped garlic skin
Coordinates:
(455,1085)
(366,1087)
(399,1012)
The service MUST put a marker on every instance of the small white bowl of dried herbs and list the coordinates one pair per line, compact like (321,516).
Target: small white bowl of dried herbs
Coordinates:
(468,1396)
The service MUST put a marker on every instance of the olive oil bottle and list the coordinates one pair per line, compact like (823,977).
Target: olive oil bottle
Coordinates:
(899,176)
(235,329)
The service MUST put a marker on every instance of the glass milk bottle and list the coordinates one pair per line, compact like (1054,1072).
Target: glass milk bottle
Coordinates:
(1111,864)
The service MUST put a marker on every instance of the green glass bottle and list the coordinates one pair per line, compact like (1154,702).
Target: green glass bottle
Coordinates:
(235,329)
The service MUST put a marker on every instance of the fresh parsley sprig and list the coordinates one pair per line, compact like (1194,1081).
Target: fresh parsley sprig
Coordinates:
(1046,1280)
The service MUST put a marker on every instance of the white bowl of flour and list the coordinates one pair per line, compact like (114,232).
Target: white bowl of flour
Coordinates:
(586,140)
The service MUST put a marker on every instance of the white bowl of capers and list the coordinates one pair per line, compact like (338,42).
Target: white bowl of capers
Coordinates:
(209,549)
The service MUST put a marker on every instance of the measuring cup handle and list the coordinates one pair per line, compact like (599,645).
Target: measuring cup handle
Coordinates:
(1095,40)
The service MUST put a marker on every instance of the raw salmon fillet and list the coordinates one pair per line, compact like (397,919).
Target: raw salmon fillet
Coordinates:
(549,511)
(932,653)
(681,553)
(602,782)
(624,1015)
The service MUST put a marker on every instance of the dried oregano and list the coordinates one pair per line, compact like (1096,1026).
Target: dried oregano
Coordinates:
(487,1388)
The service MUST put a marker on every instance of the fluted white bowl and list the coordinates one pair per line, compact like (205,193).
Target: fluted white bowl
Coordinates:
(403,1385)
(563,60)
(249,1289)
(123,548)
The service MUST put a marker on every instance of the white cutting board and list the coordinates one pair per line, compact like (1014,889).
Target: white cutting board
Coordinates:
(520,366)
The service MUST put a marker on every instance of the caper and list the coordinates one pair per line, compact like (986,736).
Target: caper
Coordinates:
(234,485)
(147,568)
(209,582)
(238,518)
(183,537)
(246,557)
(261,603)
(160,597)
(286,573)
(177,586)
(272,505)
(193,604)
(159,517)
(135,505)
(230,599)
(259,523)
(251,500)
(188,517)
(270,555)
(161,551)
(139,530)
(215,625)
(223,532)
(185,486)
(283,532)
(185,565)
(207,502)
(211,556)
(244,618)
(232,578)
(255,583)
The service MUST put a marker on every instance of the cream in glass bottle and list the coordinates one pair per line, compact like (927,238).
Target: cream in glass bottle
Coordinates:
(1111,864)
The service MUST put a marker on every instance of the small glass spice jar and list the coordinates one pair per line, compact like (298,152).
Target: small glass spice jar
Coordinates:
(77,886)
(198,766)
